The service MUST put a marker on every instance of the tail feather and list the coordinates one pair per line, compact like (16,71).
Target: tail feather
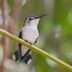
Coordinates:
(26,58)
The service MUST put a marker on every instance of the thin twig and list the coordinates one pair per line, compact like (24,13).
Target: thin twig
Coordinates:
(16,10)
(36,49)
(16,13)
(6,27)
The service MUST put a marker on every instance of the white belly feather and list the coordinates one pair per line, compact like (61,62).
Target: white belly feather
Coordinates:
(30,33)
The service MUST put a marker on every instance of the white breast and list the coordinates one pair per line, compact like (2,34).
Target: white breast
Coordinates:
(30,33)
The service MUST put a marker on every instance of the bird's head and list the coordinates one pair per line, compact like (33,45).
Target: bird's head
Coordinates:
(33,20)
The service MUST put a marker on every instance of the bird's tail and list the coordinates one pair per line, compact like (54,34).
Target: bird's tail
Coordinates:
(23,54)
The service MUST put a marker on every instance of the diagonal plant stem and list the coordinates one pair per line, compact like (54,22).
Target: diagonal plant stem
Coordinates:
(36,49)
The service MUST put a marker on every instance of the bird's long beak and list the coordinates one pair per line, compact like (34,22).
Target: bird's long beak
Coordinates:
(42,15)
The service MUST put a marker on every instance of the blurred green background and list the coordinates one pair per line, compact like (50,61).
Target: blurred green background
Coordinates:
(55,31)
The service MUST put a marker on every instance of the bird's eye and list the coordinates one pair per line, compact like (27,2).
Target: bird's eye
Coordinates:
(30,19)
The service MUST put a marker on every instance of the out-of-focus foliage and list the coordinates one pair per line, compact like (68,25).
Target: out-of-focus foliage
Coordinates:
(1,53)
(55,31)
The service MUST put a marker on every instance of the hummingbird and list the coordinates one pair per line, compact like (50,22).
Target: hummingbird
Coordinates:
(30,34)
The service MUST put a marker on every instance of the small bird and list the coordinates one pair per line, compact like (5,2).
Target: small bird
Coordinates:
(30,34)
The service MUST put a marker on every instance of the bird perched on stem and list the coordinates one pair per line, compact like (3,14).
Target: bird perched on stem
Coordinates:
(30,34)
